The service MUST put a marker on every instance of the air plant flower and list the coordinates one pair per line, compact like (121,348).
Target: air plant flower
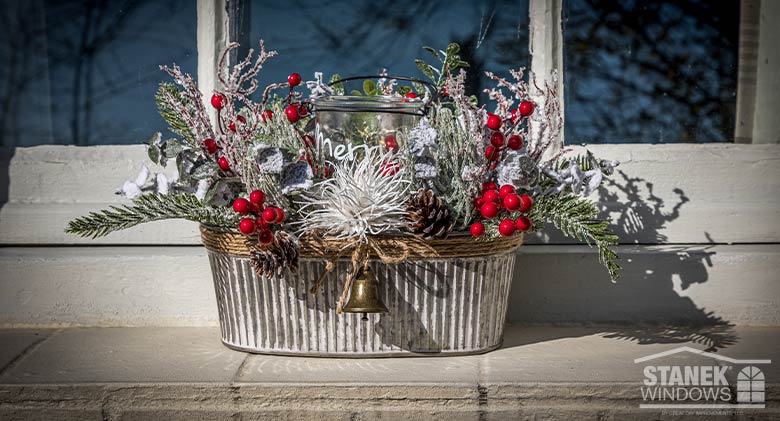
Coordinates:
(361,199)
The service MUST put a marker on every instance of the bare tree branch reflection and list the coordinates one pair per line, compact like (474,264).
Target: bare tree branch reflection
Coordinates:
(72,63)
(651,71)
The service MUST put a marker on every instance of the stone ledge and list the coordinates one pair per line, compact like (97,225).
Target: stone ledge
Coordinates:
(185,373)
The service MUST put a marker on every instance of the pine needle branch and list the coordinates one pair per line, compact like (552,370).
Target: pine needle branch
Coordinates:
(577,217)
(176,122)
(148,208)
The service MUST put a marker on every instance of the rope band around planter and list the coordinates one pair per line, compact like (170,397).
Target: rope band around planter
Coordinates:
(234,243)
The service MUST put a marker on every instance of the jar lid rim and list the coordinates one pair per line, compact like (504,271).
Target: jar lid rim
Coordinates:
(354,101)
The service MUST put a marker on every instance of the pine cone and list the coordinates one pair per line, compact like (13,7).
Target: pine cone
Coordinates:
(429,217)
(274,258)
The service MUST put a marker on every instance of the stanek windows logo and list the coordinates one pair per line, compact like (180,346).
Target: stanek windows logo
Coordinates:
(702,386)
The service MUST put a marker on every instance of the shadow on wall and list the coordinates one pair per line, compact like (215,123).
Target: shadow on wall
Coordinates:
(650,294)
(6,154)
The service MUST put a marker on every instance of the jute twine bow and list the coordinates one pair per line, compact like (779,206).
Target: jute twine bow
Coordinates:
(388,250)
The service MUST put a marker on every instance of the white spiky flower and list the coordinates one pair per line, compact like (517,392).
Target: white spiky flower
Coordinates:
(363,197)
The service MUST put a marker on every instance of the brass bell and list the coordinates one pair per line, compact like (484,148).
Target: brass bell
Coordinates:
(364,295)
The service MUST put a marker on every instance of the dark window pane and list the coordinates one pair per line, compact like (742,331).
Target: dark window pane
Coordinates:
(650,71)
(85,72)
(352,37)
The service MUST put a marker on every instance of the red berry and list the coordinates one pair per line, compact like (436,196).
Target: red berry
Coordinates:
(232,126)
(527,203)
(478,202)
(294,79)
(489,185)
(279,216)
(210,145)
(526,108)
(491,153)
(255,209)
(391,143)
(257,197)
(514,115)
(247,226)
(489,210)
(218,101)
(444,92)
(267,115)
(411,95)
(497,139)
(292,113)
(507,227)
(241,206)
(512,202)
(477,229)
(493,122)
(224,164)
(269,215)
(491,196)
(261,224)
(523,223)
(265,237)
(506,189)
(515,142)
(308,141)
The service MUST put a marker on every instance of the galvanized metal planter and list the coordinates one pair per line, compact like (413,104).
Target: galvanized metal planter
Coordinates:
(439,306)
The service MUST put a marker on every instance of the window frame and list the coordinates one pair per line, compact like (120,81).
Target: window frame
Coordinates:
(216,27)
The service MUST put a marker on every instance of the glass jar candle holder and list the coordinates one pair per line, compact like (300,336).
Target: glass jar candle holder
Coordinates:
(347,123)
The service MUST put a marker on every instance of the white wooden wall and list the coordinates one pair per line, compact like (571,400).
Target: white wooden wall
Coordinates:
(717,253)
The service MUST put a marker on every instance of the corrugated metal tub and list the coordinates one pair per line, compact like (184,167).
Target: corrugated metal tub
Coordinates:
(437,306)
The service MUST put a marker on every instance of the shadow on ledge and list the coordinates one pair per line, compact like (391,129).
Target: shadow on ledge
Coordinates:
(571,287)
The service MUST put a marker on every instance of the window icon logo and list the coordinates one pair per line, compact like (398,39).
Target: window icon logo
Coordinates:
(750,385)
(703,380)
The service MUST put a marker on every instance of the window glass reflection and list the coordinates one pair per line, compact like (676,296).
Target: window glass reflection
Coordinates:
(650,71)
(85,72)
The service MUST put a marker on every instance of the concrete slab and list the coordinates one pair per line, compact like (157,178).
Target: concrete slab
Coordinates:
(79,355)
(273,369)
(13,342)
(186,373)
(530,354)
(607,354)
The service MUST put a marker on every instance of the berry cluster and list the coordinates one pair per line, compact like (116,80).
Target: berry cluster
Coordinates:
(263,217)
(218,101)
(495,201)
(500,140)
(293,111)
